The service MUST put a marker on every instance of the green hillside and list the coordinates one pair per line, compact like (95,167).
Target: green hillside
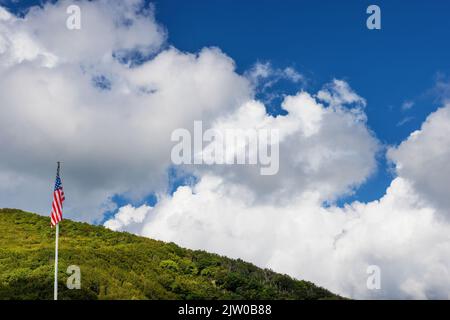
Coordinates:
(117,265)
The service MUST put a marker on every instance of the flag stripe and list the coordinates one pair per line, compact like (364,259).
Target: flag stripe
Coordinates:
(58,203)
(56,212)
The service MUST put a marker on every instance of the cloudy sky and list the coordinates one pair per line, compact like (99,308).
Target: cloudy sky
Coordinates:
(363,116)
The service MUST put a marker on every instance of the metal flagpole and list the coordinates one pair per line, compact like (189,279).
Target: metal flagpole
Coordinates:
(55,288)
(56,263)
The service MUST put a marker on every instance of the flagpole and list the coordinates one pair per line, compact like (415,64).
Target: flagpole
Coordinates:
(55,287)
(55,294)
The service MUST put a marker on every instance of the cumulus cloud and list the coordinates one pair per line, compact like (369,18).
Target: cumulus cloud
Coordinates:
(423,159)
(67,96)
(314,140)
(108,27)
(128,216)
(402,233)
(330,246)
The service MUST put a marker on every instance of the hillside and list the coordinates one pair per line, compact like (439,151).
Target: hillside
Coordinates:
(116,265)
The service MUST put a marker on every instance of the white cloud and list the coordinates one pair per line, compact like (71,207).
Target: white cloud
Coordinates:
(291,74)
(111,141)
(339,92)
(314,141)
(107,27)
(128,216)
(330,246)
(263,76)
(406,105)
(402,233)
(404,121)
(423,159)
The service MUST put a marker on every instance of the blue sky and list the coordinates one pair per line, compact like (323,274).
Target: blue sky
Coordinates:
(392,67)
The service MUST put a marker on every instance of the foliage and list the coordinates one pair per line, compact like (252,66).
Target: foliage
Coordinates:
(119,265)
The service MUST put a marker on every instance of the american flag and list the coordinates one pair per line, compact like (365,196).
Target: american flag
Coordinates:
(58,199)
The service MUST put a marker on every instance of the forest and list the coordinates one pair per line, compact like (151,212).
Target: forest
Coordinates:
(119,265)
